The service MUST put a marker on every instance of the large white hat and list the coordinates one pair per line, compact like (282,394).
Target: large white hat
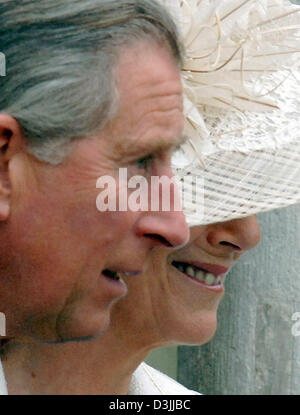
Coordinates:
(242,105)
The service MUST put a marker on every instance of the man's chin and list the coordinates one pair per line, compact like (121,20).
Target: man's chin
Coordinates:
(64,331)
(79,330)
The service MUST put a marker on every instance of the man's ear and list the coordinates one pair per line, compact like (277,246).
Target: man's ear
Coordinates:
(11,141)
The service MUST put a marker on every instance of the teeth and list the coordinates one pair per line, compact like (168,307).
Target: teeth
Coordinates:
(200,275)
(203,276)
(190,271)
(209,279)
(181,268)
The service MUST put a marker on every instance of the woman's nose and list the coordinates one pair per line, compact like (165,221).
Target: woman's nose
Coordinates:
(236,235)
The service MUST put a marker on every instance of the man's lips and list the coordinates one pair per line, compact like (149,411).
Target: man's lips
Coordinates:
(129,273)
(113,275)
(116,275)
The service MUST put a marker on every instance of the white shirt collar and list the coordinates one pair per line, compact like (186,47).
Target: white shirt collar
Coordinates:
(3,386)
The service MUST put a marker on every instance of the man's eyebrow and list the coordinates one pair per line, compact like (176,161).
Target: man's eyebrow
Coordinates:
(161,143)
(155,145)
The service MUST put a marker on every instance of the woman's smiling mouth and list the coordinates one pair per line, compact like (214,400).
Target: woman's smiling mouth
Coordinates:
(209,275)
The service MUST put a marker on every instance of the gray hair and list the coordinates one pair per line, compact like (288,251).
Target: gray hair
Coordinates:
(60,60)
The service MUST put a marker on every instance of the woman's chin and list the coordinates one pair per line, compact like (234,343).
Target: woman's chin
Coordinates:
(197,332)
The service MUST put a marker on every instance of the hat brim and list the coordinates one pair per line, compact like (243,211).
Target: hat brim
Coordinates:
(236,185)
(248,163)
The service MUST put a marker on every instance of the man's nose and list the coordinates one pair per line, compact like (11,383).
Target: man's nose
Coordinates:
(164,229)
(164,224)
(236,235)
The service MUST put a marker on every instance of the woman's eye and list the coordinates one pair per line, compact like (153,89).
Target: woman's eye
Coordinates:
(145,162)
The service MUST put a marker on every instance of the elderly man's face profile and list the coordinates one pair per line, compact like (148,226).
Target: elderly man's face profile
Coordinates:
(58,244)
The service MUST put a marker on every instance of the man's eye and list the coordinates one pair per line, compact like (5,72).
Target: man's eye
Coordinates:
(145,162)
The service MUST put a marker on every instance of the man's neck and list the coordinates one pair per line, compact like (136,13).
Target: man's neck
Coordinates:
(103,366)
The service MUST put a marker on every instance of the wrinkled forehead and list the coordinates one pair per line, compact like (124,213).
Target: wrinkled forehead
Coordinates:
(150,99)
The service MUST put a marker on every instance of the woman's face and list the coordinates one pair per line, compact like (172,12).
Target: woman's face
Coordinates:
(176,299)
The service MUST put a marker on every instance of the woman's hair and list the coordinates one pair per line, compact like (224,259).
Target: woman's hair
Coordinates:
(60,60)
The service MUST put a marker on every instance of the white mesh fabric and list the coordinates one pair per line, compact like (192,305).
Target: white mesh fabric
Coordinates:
(238,185)
(249,162)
